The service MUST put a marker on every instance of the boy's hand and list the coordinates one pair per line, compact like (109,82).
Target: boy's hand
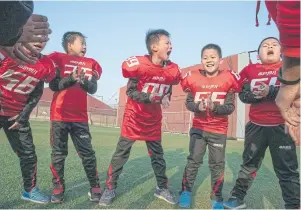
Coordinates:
(82,77)
(15,125)
(155,98)
(264,89)
(210,104)
(202,105)
(165,101)
(74,75)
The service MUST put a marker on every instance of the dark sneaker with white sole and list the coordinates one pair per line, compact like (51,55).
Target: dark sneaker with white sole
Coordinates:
(107,197)
(165,194)
(235,203)
(57,198)
(94,194)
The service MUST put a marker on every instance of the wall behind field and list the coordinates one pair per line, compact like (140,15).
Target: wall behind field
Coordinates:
(98,112)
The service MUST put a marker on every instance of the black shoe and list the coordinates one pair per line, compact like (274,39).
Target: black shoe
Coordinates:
(94,194)
(57,198)
(107,197)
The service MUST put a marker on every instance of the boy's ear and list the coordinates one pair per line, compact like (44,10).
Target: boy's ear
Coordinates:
(221,61)
(258,57)
(154,47)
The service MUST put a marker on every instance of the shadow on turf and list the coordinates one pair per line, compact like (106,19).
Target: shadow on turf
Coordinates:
(77,190)
(265,185)
(142,165)
(175,160)
(74,190)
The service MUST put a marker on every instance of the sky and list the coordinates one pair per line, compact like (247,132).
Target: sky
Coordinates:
(116,31)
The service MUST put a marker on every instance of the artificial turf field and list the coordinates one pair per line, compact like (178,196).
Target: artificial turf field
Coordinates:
(137,182)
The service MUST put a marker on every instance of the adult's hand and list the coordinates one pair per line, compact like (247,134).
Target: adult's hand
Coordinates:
(286,96)
(36,29)
(19,54)
(294,131)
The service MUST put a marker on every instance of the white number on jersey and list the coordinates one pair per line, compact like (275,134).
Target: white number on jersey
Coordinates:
(132,61)
(255,83)
(237,76)
(69,69)
(19,82)
(218,97)
(160,89)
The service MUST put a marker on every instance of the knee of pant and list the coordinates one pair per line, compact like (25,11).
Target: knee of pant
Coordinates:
(59,153)
(247,172)
(288,176)
(195,158)
(86,155)
(156,156)
(217,166)
(28,154)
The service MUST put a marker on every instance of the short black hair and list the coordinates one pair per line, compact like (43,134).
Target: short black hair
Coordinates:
(212,46)
(69,37)
(153,36)
(270,37)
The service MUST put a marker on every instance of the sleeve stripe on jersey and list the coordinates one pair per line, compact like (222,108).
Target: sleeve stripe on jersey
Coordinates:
(96,74)
(2,56)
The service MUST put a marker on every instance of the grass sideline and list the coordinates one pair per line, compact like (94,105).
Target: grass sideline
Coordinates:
(137,182)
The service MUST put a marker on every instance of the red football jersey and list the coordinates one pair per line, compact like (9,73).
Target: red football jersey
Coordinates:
(265,112)
(143,121)
(18,81)
(286,15)
(200,86)
(70,105)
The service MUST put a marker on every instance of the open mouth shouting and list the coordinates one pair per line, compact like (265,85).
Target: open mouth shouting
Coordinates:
(270,52)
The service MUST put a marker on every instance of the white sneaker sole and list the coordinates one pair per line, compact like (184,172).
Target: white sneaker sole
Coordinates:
(161,197)
(185,207)
(103,204)
(34,201)
(89,196)
(243,206)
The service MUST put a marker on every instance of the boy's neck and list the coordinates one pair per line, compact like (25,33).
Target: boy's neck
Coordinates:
(212,75)
(156,60)
(270,63)
(73,54)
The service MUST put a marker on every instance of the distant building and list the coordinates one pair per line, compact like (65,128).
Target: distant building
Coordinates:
(98,112)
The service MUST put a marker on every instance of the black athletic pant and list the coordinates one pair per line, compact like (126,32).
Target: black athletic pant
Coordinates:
(197,147)
(81,138)
(122,154)
(21,142)
(284,157)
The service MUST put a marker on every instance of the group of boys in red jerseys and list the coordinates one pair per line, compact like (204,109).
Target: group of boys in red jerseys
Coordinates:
(210,95)
(70,76)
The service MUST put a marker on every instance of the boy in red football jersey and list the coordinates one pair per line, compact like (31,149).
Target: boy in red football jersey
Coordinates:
(211,97)
(76,77)
(149,86)
(266,129)
(286,15)
(21,87)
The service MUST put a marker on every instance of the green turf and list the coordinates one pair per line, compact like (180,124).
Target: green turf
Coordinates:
(137,182)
